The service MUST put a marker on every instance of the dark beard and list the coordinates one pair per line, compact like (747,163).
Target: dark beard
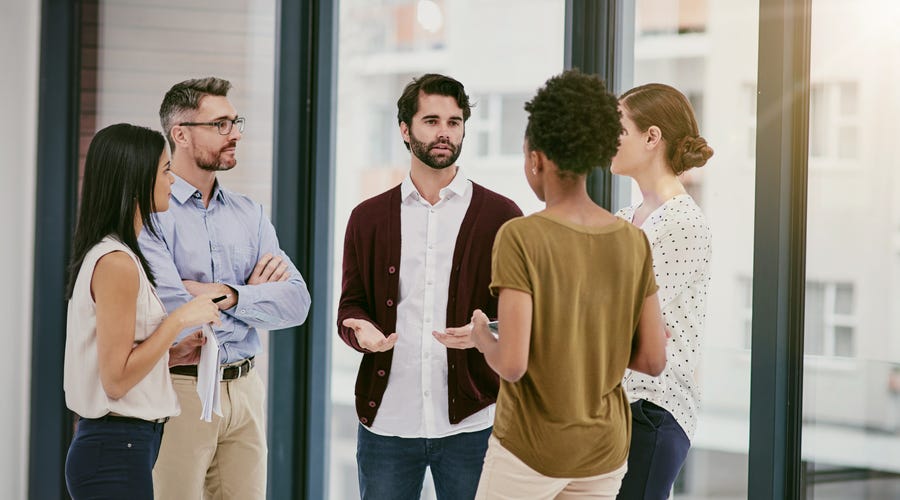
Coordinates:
(422,151)
(215,167)
(211,163)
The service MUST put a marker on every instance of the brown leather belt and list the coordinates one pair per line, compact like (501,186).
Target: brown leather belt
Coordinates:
(230,372)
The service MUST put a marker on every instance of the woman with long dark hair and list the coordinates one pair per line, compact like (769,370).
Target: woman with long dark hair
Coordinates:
(660,141)
(118,336)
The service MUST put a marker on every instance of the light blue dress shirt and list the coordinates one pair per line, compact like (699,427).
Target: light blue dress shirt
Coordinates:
(222,243)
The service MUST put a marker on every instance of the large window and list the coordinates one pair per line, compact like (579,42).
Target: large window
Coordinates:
(707,49)
(133,52)
(851,402)
(383,44)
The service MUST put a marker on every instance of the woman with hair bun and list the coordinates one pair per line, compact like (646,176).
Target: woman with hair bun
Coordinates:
(659,142)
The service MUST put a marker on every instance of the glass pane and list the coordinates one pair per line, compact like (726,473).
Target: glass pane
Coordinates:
(851,408)
(708,51)
(843,341)
(124,76)
(383,44)
(512,124)
(849,99)
(818,113)
(814,319)
(843,299)
(848,142)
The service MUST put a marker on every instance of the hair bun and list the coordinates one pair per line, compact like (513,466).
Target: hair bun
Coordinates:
(690,152)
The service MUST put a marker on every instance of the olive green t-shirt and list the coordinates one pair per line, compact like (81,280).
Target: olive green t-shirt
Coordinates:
(568,416)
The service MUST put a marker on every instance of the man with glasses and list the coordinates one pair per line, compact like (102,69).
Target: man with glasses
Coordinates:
(212,240)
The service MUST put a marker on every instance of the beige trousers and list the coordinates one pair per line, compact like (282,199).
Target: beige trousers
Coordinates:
(222,459)
(504,476)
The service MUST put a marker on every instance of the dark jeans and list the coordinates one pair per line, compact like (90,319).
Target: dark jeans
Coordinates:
(658,449)
(113,458)
(394,468)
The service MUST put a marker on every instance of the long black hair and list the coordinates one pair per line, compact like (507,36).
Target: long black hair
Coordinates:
(119,178)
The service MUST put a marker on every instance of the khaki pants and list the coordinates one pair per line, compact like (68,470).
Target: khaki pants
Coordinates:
(222,459)
(504,476)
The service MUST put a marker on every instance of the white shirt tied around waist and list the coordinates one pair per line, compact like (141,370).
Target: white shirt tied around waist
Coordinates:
(151,398)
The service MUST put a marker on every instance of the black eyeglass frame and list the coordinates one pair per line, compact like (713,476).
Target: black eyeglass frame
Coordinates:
(219,124)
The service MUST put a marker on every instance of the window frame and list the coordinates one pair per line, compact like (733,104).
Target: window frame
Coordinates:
(597,36)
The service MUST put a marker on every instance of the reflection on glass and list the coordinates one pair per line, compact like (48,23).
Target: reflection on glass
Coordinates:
(383,44)
(707,49)
(124,76)
(851,404)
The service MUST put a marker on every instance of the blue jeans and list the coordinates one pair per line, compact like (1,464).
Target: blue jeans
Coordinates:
(394,468)
(658,449)
(113,458)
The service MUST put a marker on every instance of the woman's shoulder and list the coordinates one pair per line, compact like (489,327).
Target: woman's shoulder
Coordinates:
(522,228)
(117,264)
(105,246)
(683,215)
(113,255)
(627,212)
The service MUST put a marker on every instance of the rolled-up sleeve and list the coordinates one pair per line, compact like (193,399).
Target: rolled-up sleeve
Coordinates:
(276,305)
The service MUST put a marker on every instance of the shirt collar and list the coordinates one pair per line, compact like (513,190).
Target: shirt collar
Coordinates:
(457,186)
(182,190)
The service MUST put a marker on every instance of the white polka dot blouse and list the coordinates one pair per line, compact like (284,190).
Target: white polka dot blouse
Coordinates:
(680,241)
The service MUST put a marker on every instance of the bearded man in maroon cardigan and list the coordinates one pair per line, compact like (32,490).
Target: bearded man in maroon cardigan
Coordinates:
(417,263)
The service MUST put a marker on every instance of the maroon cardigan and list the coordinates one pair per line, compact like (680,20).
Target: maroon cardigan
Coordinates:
(371,283)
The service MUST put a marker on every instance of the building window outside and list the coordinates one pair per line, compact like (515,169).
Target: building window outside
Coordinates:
(833,122)
(656,16)
(389,26)
(830,321)
(748,108)
(383,45)
(497,125)
(745,310)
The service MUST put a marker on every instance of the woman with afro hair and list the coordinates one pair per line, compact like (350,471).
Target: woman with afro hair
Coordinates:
(660,141)
(577,305)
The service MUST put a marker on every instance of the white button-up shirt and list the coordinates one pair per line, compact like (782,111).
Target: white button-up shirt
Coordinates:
(415,403)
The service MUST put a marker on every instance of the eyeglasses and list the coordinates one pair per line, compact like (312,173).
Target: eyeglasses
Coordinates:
(224,126)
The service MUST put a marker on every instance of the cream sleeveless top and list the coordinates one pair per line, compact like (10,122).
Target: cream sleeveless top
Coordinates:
(153,397)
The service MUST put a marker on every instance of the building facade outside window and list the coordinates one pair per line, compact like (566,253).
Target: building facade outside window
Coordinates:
(383,45)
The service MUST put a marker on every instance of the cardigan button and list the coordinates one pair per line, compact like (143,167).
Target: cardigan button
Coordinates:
(364,420)
(371,404)
(392,270)
(380,373)
(390,303)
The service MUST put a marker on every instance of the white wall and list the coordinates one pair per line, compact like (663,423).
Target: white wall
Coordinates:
(19,28)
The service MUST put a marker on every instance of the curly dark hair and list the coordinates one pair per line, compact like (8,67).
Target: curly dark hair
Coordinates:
(431,84)
(575,121)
